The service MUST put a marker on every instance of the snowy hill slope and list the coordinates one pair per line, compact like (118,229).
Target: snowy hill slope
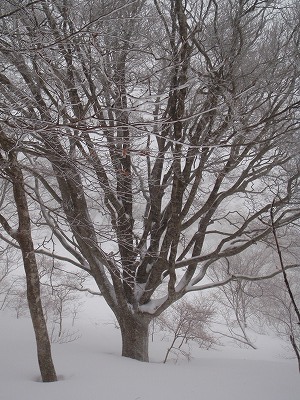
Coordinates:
(91,368)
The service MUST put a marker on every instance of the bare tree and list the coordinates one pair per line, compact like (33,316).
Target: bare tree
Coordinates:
(61,297)
(237,301)
(188,321)
(21,234)
(292,311)
(8,265)
(17,299)
(278,311)
(156,137)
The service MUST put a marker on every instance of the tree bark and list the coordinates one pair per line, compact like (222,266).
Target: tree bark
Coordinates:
(135,337)
(37,317)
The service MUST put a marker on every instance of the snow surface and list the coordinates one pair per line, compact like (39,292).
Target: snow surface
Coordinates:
(92,368)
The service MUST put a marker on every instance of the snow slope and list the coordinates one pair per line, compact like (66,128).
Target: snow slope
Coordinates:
(91,368)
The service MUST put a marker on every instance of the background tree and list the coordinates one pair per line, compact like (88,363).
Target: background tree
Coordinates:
(185,322)
(155,136)
(278,312)
(61,298)
(8,265)
(237,301)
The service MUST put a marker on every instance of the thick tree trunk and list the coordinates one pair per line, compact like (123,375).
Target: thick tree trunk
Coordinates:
(135,337)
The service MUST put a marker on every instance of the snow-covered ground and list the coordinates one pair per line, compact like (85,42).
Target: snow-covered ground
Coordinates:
(91,367)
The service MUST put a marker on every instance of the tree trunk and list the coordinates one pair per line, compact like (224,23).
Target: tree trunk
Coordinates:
(24,238)
(38,320)
(135,337)
(296,349)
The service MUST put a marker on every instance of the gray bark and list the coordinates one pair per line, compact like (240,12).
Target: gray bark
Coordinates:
(135,337)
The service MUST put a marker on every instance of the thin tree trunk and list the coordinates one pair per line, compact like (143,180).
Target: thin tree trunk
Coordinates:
(296,350)
(38,320)
(25,241)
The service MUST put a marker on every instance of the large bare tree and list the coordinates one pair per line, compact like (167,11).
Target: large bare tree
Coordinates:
(156,136)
